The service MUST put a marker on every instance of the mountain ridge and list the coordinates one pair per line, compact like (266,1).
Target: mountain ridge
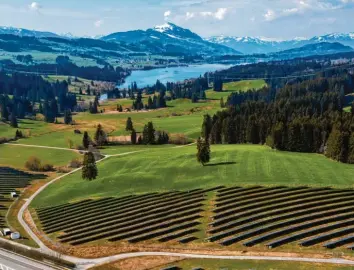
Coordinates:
(255,45)
(170,37)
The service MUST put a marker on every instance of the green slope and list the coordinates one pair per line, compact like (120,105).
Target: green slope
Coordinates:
(177,169)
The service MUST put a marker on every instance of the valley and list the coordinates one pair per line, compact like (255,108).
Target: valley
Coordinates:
(165,149)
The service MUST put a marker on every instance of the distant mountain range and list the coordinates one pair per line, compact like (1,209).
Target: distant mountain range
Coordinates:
(170,39)
(253,45)
(321,48)
(25,32)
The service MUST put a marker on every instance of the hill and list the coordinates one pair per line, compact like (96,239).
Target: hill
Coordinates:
(169,38)
(257,45)
(321,48)
(177,169)
(25,32)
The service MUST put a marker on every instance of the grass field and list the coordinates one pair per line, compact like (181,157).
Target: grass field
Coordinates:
(16,156)
(177,169)
(244,85)
(180,117)
(252,265)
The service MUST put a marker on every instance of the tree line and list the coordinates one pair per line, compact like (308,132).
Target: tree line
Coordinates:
(27,91)
(303,116)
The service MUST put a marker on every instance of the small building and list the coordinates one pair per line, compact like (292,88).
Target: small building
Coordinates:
(14,195)
(6,231)
(15,235)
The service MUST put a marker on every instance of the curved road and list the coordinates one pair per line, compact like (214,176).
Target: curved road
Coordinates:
(87,263)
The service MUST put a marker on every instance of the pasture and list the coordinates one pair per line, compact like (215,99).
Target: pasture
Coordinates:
(16,156)
(177,169)
(180,117)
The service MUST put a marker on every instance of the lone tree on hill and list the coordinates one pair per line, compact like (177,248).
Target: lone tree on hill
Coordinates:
(129,125)
(89,170)
(203,155)
(86,140)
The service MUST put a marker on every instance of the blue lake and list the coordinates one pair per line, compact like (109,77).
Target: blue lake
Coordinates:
(145,78)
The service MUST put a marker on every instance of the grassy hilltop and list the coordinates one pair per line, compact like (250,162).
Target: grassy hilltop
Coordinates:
(161,170)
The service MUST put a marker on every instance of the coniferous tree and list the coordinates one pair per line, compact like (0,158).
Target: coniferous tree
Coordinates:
(94,106)
(150,103)
(86,140)
(222,103)
(133,137)
(129,125)
(68,119)
(18,134)
(218,85)
(13,121)
(203,154)
(100,136)
(207,126)
(351,149)
(89,170)
(149,134)
(4,110)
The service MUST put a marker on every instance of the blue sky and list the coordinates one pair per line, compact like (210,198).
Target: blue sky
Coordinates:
(281,19)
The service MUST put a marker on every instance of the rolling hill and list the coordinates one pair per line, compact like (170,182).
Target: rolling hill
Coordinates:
(170,38)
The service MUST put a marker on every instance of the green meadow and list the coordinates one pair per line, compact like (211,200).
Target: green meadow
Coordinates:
(168,169)
(16,156)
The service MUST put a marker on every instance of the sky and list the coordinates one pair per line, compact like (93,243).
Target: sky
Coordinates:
(276,19)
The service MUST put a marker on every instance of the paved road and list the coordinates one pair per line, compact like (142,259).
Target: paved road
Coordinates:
(10,261)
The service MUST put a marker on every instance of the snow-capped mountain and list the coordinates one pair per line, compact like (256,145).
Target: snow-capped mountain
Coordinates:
(252,45)
(170,38)
(25,32)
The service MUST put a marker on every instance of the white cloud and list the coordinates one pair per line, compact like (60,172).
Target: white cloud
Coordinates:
(34,6)
(269,15)
(190,15)
(206,13)
(219,14)
(99,23)
(167,14)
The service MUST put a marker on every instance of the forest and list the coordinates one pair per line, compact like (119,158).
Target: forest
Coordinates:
(27,90)
(305,115)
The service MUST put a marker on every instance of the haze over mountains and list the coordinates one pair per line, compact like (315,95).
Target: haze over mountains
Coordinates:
(172,39)
(251,45)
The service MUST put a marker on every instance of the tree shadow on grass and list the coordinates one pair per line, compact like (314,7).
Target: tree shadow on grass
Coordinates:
(220,164)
